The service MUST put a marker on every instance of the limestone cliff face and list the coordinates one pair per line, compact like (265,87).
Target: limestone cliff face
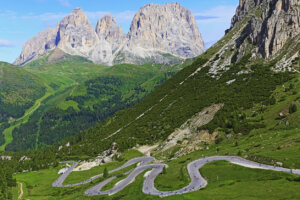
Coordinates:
(108,30)
(272,24)
(168,28)
(76,36)
(35,47)
(158,33)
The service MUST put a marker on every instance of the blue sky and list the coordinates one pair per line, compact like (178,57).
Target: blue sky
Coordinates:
(22,19)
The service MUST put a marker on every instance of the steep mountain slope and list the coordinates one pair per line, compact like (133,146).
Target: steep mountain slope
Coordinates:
(107,44)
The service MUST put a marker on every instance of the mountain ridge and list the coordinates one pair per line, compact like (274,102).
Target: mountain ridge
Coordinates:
(107,44)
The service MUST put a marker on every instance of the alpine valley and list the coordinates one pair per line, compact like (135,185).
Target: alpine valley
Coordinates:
(94,113)
(81,78)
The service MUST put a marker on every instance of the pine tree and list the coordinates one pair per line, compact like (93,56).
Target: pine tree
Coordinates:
(272,100)
(105,173)
(292,108)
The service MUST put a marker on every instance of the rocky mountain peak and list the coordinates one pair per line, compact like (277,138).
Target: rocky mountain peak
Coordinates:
(75,35)
(77,18)
(162,26)
(106,24)
(272,23)
(158,33)
(77,11)
(108,30)
(169,28)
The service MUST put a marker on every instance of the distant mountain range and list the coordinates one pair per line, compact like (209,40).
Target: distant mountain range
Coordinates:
(158,33)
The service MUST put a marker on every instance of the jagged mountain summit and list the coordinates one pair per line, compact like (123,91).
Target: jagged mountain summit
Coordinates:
(158,33)
(74,35)
(168,29)
(108,30)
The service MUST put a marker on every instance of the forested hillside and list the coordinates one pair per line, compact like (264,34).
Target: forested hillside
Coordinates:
(19,90)
(6,181)
(80,94)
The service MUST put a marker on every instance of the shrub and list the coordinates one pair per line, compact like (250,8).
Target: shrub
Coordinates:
(272,100)
(292,108)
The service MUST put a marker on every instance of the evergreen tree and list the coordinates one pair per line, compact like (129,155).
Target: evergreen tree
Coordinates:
(105,173)
(292,108)
(272,100)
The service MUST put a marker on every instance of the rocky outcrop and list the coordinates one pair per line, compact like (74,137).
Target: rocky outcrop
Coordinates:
(108,30)
(272,24)
(35,47)
(76,36)
(189,129)
(163,29)
(158,33)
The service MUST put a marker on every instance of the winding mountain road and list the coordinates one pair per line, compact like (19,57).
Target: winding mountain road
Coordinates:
(197,181)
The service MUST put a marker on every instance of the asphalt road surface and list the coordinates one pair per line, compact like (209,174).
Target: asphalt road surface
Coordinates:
(197,181)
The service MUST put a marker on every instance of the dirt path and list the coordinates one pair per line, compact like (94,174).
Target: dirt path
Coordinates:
(21,191)
(30,112)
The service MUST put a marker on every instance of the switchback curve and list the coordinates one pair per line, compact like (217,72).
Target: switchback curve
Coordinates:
(197,181)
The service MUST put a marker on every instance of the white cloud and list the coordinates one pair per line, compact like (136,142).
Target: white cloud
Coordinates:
(216,14)
(6,43)
(8,14)
(45,16)
(121,17)
(65,3)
